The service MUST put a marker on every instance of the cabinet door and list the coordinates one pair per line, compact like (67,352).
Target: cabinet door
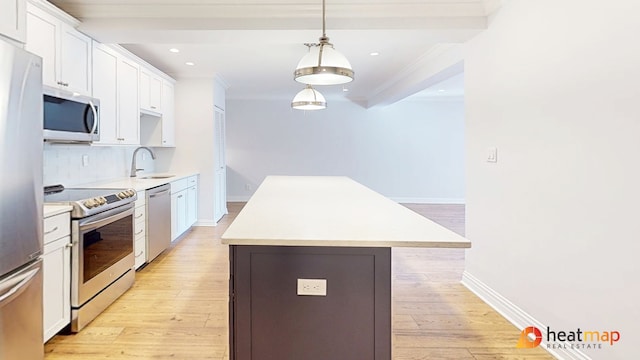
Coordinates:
(75,60)
(129,110)
(220,171)
(12,19)
(145,84)
(42,37)
(168,115)
(192,206)
(150,92)
(56,286)
(182,212)
(178,214)
(174,216)
(105,88)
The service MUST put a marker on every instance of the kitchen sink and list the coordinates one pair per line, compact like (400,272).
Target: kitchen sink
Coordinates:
(156,177)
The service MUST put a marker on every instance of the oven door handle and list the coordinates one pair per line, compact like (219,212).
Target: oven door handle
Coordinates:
(105,218)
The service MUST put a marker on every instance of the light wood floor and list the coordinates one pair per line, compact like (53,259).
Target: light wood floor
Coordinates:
(177,308)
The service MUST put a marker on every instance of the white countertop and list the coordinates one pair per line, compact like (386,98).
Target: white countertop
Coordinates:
(137,183)
(52,210)
(332,211)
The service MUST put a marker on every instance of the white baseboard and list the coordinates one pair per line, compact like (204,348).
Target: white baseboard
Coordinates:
(405,200)
(515,315)
(205,223)
(240,198)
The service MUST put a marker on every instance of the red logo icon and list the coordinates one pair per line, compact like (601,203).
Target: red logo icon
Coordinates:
(530,337)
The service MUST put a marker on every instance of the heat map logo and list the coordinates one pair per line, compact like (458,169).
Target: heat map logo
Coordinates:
(532,337)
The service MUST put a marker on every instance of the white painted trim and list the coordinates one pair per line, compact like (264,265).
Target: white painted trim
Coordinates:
(428,200)
(205,223)
(514,314)
(241,198)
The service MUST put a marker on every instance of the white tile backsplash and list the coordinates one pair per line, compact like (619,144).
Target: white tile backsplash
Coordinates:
(63,163)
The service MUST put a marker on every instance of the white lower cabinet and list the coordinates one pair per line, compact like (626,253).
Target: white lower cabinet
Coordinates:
(184,205)
(57,274)
(140,230)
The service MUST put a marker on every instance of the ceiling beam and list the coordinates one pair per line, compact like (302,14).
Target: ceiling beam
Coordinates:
(439,64)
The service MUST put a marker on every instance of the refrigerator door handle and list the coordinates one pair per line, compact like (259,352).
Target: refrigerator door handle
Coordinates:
(20,284)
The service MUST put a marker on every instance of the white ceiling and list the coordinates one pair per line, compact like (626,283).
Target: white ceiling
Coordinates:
(254,45)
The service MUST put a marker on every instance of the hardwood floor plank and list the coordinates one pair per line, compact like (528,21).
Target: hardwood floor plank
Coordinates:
(178,306)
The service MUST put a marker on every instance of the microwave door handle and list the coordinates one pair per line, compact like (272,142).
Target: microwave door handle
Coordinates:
(95,117)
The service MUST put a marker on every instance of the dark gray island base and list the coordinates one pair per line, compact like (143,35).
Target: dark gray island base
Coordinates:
(269,320)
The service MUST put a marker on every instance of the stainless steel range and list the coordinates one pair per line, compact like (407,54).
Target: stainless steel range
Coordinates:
(102,258)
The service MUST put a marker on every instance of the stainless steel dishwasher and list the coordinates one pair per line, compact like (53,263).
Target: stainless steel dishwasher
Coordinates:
(158,220)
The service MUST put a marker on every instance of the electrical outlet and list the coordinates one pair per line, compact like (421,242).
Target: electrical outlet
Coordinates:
(144,156)
(248,187)
(85,160)
(492,154)
(312,287)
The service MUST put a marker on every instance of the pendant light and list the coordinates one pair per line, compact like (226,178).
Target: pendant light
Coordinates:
(309,99)
(323,65)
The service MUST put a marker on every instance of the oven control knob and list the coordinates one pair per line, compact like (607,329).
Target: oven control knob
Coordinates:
(131,192)
(121,195)
(89,203)
(102,200)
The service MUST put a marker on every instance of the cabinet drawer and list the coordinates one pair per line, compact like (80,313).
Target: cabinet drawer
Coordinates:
(139,214)
(56,227)
(139,229)
(139,251)
(192,181)
(179,185)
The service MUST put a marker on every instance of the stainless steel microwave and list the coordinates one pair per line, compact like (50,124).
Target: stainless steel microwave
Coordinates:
(70,117)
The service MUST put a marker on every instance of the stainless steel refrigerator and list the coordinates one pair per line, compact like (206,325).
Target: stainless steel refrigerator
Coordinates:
(20,204)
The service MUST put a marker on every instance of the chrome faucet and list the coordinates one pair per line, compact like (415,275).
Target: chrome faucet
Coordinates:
(135,170)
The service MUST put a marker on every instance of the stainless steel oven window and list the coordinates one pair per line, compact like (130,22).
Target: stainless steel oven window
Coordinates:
(102,252)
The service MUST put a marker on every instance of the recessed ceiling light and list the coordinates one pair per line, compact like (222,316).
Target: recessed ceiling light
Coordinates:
(345,90)
(375,53)
(442,90)
(189,63)
(174,50)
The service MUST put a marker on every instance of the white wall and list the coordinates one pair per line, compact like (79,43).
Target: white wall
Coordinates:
(63,163)
(554,224)
(194,141)
(412,151)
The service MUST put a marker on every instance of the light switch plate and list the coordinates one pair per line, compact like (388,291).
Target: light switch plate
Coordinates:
(492,154)
(312,287)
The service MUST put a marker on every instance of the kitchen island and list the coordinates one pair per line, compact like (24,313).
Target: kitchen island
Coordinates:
(310,274)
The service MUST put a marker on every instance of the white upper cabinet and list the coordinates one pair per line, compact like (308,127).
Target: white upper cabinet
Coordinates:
(75,60)
(168,115)
(157,126)
(42,32)
(150,92)
(115,83)
(129,109)
(13,19)
(65,52)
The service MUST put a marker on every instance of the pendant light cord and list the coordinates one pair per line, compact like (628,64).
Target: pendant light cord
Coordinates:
(324,20)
